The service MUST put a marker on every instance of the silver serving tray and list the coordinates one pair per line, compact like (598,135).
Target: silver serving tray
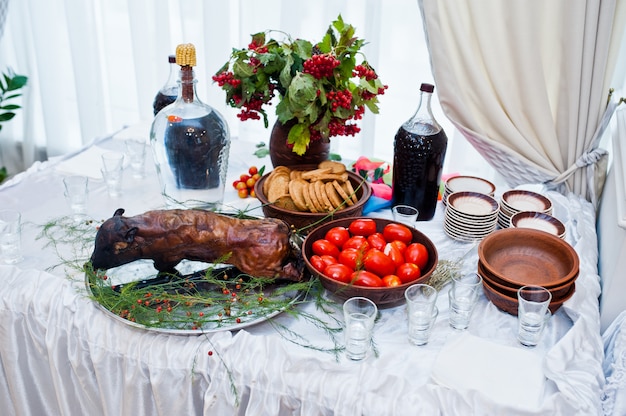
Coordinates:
(142,270)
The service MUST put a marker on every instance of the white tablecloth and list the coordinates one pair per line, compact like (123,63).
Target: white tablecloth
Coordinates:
(61,355)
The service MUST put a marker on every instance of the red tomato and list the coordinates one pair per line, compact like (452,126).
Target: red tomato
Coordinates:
(325,247)
(400,245)
(317,262)
(365,278)
(377,262)
(394,254)
(350,257)
(407,272)
(377,241)
(391,280)
(252,170)
(363,226)
(416,253)
(339,272)
(397,232)
(338,236)
(359,242)
(328,260)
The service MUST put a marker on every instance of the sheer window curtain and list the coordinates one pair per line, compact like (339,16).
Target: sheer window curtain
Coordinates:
(527,83)
(95,66)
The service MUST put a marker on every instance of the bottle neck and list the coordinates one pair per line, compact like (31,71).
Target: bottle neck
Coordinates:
(187,84)
(423,119)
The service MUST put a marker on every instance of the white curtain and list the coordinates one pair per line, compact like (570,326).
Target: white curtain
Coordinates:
(95,66)
(527,83)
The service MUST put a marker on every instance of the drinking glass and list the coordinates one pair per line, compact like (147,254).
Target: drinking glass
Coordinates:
(420,301)
(136,151)
(359,315)
(76,195)
(531,313)
(405,214)
(462,296)
(112,168)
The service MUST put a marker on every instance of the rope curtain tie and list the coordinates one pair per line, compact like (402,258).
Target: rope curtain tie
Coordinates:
(591,157)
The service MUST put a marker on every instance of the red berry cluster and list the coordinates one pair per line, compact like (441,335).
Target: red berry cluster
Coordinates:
(339,99)
(366,72)
(339,127)
(226,77)
(366,95)
(251,109)
(320,66)
(253,46)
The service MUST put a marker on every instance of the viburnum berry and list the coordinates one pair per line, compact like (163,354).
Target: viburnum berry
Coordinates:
(366,72)
(320,66)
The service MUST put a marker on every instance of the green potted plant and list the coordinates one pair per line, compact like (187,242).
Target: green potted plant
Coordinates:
(323,88)
(10,83)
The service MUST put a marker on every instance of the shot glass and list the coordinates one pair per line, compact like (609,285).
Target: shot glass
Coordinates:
(359,316)
(531,313)
(112,170)
(462,297)
(76,191)
(136,151)
(422,312)
(405,214)
(10,236)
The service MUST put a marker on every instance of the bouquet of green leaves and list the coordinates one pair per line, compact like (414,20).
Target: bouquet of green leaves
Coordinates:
(322,89)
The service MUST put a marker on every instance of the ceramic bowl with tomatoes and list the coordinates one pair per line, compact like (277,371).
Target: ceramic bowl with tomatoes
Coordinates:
(371,257)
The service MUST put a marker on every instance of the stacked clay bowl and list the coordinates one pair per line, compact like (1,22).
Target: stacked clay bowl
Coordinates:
(358,191)
(514,257)
(381,296)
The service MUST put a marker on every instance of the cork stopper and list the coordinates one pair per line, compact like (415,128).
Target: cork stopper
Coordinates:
(186,55)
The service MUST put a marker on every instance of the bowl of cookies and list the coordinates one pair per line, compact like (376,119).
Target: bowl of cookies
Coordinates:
(306,196)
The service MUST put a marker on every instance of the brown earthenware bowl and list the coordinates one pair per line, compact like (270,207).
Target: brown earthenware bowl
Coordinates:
(305,221)
(516,257)
(381,296)
(511,291)
(509,304)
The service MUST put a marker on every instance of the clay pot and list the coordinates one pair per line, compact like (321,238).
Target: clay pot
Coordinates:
(283,155)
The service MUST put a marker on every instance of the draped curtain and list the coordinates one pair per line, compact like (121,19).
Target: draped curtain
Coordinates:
(527,83)
(95,66)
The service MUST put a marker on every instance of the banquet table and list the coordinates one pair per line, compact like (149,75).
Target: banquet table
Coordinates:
(61,354)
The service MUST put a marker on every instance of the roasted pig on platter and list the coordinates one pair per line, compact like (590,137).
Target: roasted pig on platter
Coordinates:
(258,247)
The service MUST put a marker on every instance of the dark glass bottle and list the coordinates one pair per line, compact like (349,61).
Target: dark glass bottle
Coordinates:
(418,154)
(190,142)
(168,92)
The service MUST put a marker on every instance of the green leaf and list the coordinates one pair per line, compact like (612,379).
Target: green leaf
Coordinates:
(303,48)
(10,107)
(259,38)
(334,156)
(6,116)
(283,110)
(300,137)
(242,69)
(17,82)
(261,153)
(285,74)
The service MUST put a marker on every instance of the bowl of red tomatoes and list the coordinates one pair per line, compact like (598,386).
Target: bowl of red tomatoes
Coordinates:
(371,257)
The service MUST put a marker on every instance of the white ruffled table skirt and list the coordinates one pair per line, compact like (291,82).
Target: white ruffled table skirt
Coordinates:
(62,355)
